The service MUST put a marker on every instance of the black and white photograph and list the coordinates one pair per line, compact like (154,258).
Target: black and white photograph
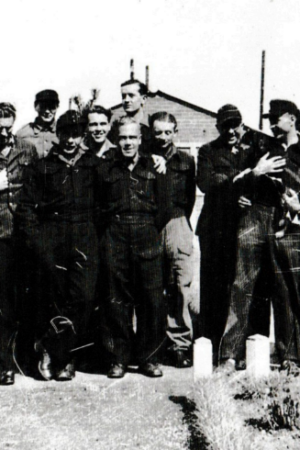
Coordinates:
(150,225)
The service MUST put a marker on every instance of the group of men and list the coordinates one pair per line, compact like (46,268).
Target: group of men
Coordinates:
(95,216)
(249,235)
(94,225)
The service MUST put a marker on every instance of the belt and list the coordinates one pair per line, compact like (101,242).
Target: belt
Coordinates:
(132,219)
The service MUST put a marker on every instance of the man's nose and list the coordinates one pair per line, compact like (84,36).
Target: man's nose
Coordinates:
(4,132)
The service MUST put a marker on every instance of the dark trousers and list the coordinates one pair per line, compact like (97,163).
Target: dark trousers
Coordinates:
(131,253)
(260,253)
(217,248)
(8,287)
(67,268)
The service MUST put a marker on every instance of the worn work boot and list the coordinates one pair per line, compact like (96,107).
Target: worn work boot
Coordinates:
(7,377)
(151,370)
(117,370)
(67,373)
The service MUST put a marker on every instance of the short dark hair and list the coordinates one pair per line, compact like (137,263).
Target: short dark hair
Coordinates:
(7,110)
(142,87)
(127,120)
(163,116)
(98,109)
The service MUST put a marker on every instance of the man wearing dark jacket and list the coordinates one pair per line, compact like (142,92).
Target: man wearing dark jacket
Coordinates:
(177,236)
(131,250)
(224,168)
(42,132)
(15,156)
(57,213)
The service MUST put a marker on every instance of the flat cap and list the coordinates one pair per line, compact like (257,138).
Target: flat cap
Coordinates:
(228,112)
(47,96)
(70,119)
(280,107)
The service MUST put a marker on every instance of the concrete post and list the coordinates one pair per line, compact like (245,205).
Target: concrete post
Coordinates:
(258,356)
(203,363)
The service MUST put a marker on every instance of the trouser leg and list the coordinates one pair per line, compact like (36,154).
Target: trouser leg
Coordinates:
(178,273)
(117,305)
(215,267)
(150,307)
(286,298)
(252,245)
(8,324)
(73,268)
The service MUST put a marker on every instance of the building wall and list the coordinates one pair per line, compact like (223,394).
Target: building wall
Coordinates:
(194,127)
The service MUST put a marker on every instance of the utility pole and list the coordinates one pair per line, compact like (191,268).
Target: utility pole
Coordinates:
(262,89)
(131,69)
(147,77)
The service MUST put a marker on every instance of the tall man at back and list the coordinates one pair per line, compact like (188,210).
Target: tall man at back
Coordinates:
(42,132)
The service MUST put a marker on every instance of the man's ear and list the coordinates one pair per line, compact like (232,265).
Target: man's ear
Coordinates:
(144,97)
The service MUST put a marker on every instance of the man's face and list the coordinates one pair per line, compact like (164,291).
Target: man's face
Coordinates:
(132,99)
(98,127)
(164,134)
(6,124)
(46,111)
(129,139)
(69,140)
(281,125)
(231,131)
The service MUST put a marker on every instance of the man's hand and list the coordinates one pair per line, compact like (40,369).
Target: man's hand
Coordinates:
(272,165)
(3,180)
(244,202)
(160,164)
(291,200)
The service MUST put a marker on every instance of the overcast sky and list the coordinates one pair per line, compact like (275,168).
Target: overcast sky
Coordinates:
(207,52)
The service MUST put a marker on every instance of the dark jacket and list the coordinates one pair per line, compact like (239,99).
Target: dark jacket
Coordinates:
(58,191)
(37,134)
(123,192)
(218,166)
(21,155)
(180,183)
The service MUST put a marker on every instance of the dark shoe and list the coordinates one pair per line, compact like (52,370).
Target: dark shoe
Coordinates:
(228,365)
(182,361)
(151,370)
(7,378)
(290,366)
(67,373)
(117,370)
(45,366)
(240,364)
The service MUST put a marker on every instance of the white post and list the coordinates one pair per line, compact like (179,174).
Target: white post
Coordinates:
(203,364)
(258,356)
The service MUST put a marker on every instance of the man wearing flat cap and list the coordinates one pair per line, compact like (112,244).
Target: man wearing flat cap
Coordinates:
(57,212)
(41,132)
(223,171)
(283,116)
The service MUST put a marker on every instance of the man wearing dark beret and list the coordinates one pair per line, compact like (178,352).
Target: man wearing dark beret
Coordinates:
(42,131)
(57,221)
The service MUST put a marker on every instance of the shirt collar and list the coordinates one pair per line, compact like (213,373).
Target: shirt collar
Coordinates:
(39,126)
(88,144)
(68,161)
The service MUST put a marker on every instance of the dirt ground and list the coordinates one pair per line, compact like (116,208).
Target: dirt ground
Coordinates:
(93,412)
